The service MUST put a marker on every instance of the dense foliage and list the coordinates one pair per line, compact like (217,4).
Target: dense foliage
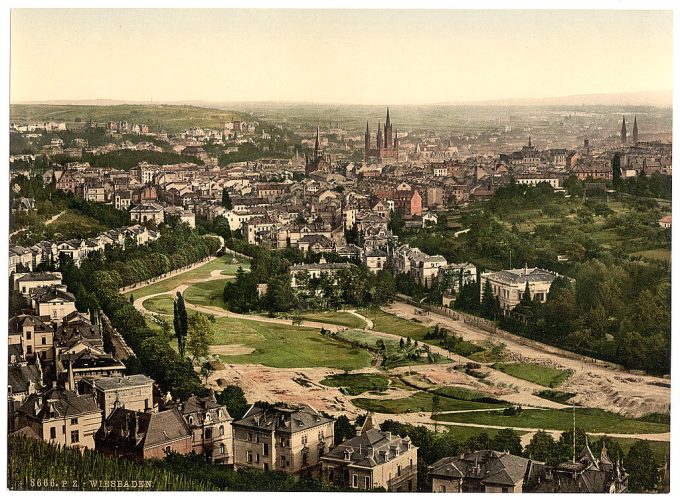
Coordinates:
(104,273)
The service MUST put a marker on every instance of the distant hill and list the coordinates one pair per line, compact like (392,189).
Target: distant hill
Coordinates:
(662,99)
(169,118)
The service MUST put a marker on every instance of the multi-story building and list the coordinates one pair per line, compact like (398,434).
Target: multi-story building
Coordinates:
(62,417)
(291,440)
(133,392)
(373,459)
(31,335)
(147,212)
(137,435)
(509,285)
(211,432)
(484,471)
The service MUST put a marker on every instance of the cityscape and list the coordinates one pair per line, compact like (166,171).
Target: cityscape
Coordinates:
(238,289)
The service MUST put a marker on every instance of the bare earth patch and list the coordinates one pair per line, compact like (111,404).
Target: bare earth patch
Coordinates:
(231,350)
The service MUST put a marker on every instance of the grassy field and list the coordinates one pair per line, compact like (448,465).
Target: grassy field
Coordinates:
(242,341)
(357,383)
(462,433)
(419,401)
(541,375)
(591,420)
(223,263)
(207,293)
(659,254)
(396,356)
(388,323)
(340,318)
(161,304)
(284,346)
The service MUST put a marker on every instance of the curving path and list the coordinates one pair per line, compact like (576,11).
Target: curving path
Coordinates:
(524,396)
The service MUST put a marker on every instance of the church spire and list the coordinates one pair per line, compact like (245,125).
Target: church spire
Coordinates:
(635,131)
(387,120)
(316,145)
(623,131)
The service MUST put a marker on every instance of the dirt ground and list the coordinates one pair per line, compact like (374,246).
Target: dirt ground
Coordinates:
(595,386)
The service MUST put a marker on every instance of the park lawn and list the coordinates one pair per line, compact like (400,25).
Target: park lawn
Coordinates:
(357,383)
(207,293)
(200,273)
(419,401)
(388,323)
(589,419)
(340,318)
(72,223)
(286,346)
(462,433)
(541,375)
(659,254)
(161,304)
(395,355)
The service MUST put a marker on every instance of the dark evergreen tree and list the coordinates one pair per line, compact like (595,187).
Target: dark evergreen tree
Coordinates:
(181,323)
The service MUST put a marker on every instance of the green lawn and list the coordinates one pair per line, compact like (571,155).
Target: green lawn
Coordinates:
(357,383)
(589,419)
(419,401)
(222,263)
(340,318)
(660,254)
(396,356)
(162,304)
(462,433)
(207,293)
(388,323)
(541,375)
(276,345)
(284,346)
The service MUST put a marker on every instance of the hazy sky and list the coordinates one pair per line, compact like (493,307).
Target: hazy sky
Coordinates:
(350,56)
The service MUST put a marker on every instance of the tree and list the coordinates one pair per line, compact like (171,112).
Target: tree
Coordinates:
(235,400)
(226,200)
(132,299)
(343,429)
(642,467)
(489,302)
(541,447)
(507,440)
(181,323)
(200,336)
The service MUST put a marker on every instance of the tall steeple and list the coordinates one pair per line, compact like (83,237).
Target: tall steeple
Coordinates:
(529,140)
(316,145)
(635,131)
(387,120)
(623,131)
(388,132)
(367,143)
(380,139)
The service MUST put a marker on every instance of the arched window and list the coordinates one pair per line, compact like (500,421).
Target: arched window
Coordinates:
(221,449)
(221,430)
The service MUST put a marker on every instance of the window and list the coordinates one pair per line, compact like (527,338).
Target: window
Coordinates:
(304,458)
(265,449)
(74,421)
(221,449)
(330,474)
(53,433)
(304,439)
(505,490)
(398,470)
(28,335)
(208,433)
(249,456)
(75,436)
(44,340)
(355,481)
(442,489)
(283,460)
(221,430)
(29,349)
(367,482)
(257,458)
(250,436)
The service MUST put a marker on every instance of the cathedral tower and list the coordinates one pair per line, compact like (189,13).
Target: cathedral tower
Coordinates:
(624,135)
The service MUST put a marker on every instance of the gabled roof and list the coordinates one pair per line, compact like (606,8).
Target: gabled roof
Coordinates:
(58,402)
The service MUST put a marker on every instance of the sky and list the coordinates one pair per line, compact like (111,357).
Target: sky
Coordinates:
(339,56)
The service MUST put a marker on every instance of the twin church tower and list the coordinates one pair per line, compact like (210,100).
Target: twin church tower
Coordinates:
(386,144)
